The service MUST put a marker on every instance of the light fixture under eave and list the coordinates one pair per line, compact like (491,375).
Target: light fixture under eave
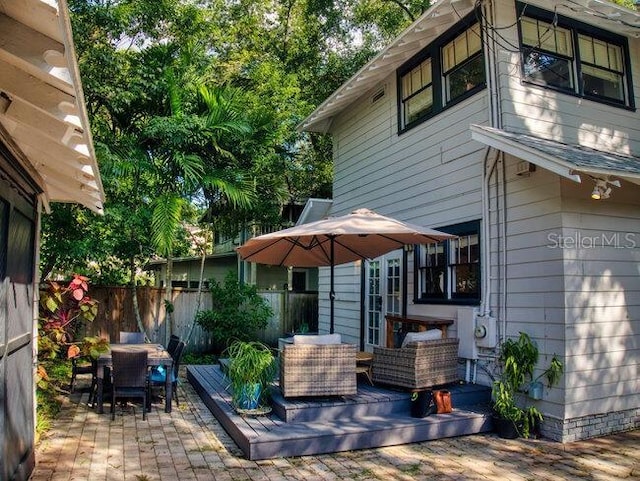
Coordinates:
(602,189)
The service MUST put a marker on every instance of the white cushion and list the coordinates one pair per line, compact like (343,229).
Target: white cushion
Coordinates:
(428,335)
(318,340)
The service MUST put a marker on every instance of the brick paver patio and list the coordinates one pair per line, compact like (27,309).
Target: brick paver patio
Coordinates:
(189,444)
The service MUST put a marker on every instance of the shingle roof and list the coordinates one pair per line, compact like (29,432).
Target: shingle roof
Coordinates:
(569,158)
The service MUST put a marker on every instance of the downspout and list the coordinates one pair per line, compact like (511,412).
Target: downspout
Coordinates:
(488,168)
(503,304)
(495,120)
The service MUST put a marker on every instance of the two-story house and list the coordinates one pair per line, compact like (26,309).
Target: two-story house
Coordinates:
(515,126)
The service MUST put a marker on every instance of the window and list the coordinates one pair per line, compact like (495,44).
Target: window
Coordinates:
(548,58)
(573,57)
(449,271)
(463,64)
(417,91)
(447,71)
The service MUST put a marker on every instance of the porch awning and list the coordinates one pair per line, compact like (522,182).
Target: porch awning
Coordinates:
(563,159)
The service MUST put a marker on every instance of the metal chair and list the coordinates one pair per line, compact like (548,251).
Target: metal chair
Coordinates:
(131,337)
(130,378)
(158,376)
(84,365)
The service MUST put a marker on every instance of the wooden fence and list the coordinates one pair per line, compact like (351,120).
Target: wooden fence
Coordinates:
(115,314)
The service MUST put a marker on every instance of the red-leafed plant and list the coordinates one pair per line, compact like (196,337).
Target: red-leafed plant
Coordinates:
(63,310)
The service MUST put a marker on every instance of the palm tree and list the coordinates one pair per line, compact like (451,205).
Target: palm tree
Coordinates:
(192,162)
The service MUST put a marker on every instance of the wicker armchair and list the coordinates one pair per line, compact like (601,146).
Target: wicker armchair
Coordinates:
(419,365)
(318,370)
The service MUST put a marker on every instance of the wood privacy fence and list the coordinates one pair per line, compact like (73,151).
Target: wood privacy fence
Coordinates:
(115,314)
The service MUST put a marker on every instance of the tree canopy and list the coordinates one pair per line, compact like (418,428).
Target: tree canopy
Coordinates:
(194,107)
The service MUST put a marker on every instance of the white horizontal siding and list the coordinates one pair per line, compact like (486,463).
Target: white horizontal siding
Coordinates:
(580,304)
(602,297)
(542,112)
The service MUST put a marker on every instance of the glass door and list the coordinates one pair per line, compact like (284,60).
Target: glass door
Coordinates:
(384,296)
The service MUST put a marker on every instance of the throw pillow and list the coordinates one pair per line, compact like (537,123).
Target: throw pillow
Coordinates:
(321,339)
(428,335)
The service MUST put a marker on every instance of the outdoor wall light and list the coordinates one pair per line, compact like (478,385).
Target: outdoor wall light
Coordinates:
(602,189)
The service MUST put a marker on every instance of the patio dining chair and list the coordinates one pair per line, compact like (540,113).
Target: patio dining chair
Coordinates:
(130,378)
(173,344)
(131,337)
(158,375)
(84,365)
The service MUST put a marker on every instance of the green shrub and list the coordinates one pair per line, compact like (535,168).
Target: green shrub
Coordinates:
(237,312)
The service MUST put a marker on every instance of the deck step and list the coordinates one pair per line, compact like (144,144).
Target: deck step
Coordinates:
(370,401)
(266,437)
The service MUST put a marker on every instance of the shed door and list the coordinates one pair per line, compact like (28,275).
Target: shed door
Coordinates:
(17,259)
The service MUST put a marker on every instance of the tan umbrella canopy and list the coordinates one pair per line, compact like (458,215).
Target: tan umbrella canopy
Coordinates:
(363,234)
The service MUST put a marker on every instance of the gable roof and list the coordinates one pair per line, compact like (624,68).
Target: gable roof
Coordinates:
(43,117)
(566,160)
(434,22)
(314,209)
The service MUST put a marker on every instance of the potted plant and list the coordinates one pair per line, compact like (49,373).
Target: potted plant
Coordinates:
(518,359)
(252,368)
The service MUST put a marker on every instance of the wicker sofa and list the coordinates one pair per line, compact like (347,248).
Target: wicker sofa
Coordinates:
(318,370)
(418,365)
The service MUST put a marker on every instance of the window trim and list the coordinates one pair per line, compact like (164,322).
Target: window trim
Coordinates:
(433,51)
(465,228)
(576,28)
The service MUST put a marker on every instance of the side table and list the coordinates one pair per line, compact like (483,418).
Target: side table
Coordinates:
(363,364)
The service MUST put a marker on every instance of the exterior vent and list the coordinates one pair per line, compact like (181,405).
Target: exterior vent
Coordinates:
(377,96)
(524,168)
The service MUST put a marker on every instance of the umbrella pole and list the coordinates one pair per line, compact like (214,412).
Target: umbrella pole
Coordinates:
(332,293)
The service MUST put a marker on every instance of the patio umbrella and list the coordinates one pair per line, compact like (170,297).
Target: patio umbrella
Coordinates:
(363,234)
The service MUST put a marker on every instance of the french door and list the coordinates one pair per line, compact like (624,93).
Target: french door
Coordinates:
(384,296)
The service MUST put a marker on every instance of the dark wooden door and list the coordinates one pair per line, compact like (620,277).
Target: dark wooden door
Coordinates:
(18,228)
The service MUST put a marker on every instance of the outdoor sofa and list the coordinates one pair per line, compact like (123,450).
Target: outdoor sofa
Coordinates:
(418,364)
(318,366)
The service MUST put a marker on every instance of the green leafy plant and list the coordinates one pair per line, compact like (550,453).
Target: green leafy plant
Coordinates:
(91,346)
(62,311)
(250,363)
(518,359)
(237,312)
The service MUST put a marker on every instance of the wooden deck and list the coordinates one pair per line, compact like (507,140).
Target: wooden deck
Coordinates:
(374,417)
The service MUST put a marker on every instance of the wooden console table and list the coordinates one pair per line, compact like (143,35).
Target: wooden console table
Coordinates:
(423,322)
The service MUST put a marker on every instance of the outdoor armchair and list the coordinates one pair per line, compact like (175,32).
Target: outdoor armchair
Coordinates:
(418,365)
(318,369)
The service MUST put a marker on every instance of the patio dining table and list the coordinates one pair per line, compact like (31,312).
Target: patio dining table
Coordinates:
(157,356)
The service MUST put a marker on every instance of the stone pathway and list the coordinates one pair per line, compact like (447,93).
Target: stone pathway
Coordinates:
(189,444)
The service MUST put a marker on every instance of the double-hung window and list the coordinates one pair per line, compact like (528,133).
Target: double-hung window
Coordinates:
(444,73)
(570,56)
(449,271)
(417,92)
(463,63)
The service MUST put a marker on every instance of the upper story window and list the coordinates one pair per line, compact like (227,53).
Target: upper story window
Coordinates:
(463,63)
(449,271)
(567,55)
(447,71)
